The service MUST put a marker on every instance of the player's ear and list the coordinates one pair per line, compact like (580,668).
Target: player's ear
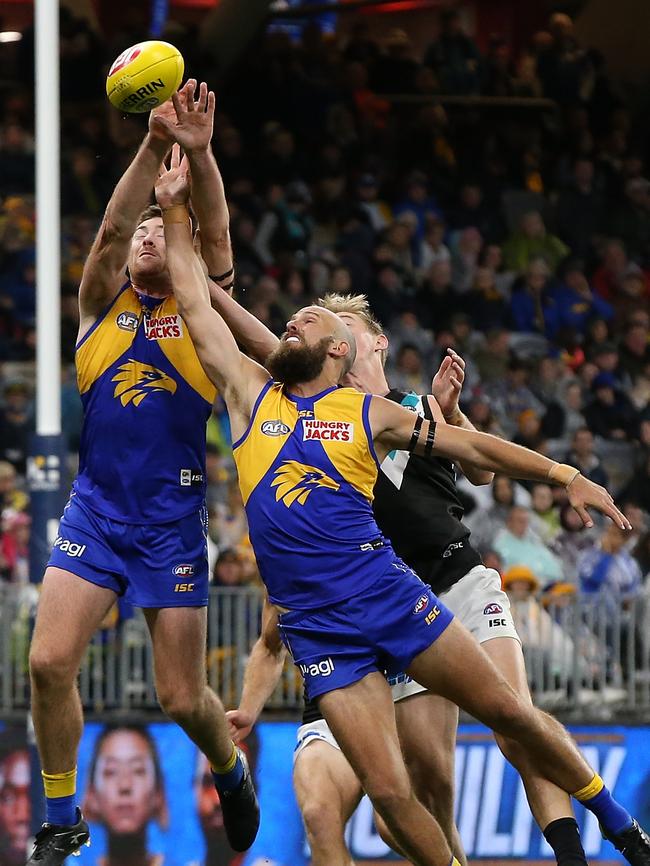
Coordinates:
(381,343)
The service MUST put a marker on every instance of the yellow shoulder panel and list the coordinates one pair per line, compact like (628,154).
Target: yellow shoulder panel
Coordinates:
(353,460)
(182,355)
(270,426)
(108,340)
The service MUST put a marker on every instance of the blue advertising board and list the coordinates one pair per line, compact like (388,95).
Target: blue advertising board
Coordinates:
(148,785)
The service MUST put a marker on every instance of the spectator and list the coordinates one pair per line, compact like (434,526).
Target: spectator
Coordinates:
(11,496)
(453,57)
(631,221)
(437,300)
(230,524)
(579,209)
(409,373)
(532,241)
(545,519)
(378,212)
(228,569)
(511,395)
(432,249)
(583,456)
(418,201)
(610,413)
(15,424)
(609,572)
(533,309)
(571,542)
(395,71)
(487,303)
(576,304)
(637,490)
(14,546)
(517,543)
(634,354)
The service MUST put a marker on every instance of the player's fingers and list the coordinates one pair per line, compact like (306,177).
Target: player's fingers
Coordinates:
(191,88)
(212,101)
(584,515)
(178,104)
(617,516)
(176,156)
(445,364)
(203,97)
(458,371)
(458,385)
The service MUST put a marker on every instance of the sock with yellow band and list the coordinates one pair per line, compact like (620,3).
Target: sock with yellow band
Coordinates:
(229,776)
(611,815)
(60,796)
(453,861)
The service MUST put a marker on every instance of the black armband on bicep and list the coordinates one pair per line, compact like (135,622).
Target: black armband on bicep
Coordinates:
(415,436)
(222,276)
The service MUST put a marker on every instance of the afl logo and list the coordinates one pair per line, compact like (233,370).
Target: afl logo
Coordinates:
(421,604)
(274,428)
(184,570)
(124,59)
(127,321)
(492,609)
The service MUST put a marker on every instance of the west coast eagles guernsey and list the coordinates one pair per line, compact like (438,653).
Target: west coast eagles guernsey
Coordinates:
(307,468)
(146,403)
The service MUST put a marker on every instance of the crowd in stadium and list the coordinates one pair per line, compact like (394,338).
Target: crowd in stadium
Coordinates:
(516,232)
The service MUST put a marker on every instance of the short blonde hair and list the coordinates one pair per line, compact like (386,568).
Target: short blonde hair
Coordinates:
(356,305)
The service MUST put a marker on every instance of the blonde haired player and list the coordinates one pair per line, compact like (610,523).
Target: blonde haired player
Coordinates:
(417,507)
(135,522)
(347,607)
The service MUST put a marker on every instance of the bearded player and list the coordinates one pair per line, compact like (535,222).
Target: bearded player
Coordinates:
(416,505)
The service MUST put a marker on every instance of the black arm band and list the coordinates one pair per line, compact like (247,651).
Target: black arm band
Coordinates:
(431,435)
(416,433)
(221,276)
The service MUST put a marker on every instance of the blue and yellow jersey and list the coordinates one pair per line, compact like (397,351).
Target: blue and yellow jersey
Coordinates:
(146,403)
(307,469)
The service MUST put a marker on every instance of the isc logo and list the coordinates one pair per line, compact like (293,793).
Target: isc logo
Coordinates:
(492,623)
(433,614)
(184,587)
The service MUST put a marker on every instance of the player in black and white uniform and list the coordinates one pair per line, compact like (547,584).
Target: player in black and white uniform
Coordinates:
(416,505)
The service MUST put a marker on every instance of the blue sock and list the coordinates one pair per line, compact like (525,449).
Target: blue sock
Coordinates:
(229,777)
(61,810)
(60,796)
(612,816)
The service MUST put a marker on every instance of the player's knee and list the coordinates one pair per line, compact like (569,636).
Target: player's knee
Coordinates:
(322,821)
(181,707)
(50,670)
(511,750)
(512,715)
(391,801)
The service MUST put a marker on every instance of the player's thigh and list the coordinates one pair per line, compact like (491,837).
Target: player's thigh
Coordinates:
(178,637)
(326,787)
(362,719)
(456,667)
(506,655)
(70,609)
(426,725)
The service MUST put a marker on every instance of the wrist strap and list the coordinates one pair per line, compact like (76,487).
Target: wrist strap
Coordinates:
(563,474)
(177,213)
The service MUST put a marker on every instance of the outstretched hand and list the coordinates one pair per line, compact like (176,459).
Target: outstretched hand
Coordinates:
(583,493)
(174,184)
(447,384)
(186,120)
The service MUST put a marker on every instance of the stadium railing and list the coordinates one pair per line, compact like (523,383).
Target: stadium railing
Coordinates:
(587,660)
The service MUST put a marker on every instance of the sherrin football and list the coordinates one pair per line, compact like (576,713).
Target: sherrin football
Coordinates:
(144,76)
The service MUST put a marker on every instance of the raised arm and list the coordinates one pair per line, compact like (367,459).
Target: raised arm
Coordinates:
(104,271)
(394,427)
(192,129)
(446,387)
(262,674)
(237,377)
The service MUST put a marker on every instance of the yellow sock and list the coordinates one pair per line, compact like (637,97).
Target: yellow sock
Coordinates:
(60,784)
(594,787)
(230,763)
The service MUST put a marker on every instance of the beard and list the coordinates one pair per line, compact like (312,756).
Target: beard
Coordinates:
(292,365)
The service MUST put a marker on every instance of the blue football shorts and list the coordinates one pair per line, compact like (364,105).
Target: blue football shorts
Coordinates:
(161,565)
(382,629)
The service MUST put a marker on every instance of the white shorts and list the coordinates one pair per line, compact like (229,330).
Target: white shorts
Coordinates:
(483,608)
(312,733)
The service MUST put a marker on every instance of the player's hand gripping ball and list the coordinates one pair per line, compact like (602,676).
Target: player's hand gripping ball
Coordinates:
(144,76)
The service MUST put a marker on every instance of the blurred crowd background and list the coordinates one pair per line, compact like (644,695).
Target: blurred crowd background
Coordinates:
(492,201)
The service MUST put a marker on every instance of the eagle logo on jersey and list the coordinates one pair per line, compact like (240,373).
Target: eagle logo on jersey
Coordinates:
(295,481)
(136,380)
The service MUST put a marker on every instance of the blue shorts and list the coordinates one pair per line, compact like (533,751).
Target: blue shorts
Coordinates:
(381,630)
(163,565)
